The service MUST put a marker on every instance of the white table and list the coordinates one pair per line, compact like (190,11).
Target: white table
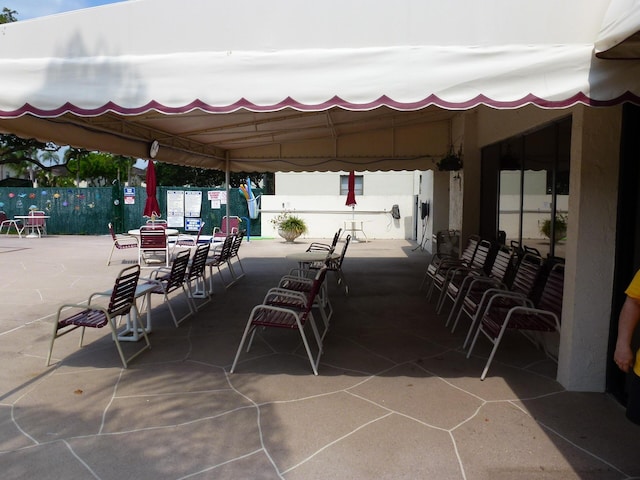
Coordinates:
(168,231)
(130,333)
(32,228)
(352,226)
(305,258)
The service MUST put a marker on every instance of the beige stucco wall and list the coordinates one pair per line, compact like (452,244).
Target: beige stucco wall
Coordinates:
(592,209)
(590,248)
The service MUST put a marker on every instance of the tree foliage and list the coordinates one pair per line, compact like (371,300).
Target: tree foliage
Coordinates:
(8,15)
(168,174)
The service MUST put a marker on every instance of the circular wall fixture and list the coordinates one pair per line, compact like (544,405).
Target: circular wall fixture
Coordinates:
(153,149)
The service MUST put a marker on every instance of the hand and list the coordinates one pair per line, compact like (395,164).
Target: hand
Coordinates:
(624,358)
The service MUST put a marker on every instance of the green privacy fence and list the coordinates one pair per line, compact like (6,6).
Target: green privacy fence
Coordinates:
(87,211)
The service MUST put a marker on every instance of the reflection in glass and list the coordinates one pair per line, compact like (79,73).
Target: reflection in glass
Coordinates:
(534,188)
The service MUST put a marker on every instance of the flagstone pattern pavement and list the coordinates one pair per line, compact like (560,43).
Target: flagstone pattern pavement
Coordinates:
(395,396)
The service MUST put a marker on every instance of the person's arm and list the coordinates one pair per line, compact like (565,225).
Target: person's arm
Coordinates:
(627,322)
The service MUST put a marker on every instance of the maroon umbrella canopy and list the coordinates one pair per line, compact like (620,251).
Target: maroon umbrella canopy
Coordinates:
(151,207)
(351,194)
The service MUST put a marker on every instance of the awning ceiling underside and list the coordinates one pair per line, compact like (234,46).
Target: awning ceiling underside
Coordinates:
(349,85)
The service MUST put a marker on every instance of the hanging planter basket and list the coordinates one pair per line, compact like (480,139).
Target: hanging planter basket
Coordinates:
(451,162)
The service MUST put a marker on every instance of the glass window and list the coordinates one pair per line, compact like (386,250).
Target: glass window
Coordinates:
(533,188)
(344,184)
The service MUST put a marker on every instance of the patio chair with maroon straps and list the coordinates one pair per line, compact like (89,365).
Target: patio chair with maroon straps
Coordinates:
(440,262)
(326,246)
(455,273)
(500,267)
(121,302)
(293,317)
(234,255)
(195,277)
(121,241)
(302,280)
(8,222)
(153,247)
(186,240)
(36,222)
(334,265)
(218,258)
(227,228)
(169,279)
(477,297)
(506,311)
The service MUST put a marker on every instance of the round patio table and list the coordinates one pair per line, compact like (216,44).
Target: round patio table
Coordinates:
(305,258)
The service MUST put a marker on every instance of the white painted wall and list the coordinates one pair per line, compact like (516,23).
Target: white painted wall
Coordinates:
(315,196)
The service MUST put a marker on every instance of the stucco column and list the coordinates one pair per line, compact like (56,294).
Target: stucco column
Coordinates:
(595,142)
(470,181)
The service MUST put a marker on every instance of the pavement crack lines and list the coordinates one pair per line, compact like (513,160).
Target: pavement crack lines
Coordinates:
(82,462)
(339,439)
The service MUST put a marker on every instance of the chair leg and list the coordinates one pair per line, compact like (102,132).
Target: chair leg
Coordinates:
(113,247)
(244,338)
(314,363)
(53,339)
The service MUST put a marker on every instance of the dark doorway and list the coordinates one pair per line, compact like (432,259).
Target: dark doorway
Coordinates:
(627,237)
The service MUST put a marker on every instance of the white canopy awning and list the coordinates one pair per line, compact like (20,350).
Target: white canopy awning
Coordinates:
(288,85)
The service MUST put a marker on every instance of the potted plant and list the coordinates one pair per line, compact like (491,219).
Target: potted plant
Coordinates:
(289,226)
(560,227)
(452,161)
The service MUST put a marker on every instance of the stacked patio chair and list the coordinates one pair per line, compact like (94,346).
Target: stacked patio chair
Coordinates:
(195,277)
(335,265)
(91,315)
(234,255)
(295,316)
(302,280)
(169,279)
(326,246)
(509,311)
(121,242)
(455,273)
(522,283)
(220,257)
(497,277)
(440,262)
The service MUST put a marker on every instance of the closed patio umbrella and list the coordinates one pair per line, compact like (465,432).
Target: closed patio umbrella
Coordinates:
(351,193)
(151,207)
(351,202)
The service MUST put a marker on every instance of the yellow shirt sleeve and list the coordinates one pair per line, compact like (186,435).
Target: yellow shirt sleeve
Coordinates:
(633,290)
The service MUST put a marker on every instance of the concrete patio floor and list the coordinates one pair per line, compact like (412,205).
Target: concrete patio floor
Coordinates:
(395,396)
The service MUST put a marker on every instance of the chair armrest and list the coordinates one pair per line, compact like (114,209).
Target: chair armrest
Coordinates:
(273,308)
(81,306)
(300,273)
(297,278)
(126,236)
(520,299)
(534,310)
(318,246)
(282,292)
